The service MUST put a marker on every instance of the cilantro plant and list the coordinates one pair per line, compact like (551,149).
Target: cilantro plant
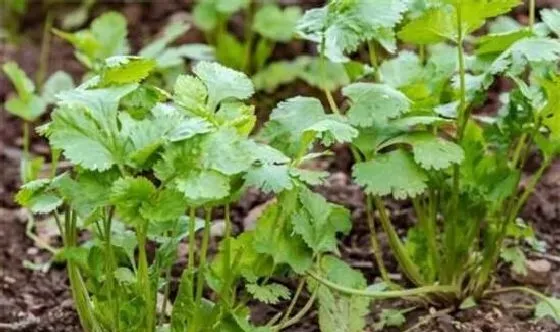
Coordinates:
(264,25)
(419,139)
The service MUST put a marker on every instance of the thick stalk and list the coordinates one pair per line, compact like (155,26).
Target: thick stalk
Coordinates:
(531,14)
(111,267)
(323,65)
(374,62)
(405,262)
(144,278)
(375,247)
(423,220)
(203,252)
(192,240)
(433,289)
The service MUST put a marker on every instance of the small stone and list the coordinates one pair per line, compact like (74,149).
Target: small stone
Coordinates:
(538,272)
(218,228)
(32,251)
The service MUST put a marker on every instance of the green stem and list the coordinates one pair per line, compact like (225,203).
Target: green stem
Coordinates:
(192,240)
(203,252)
(299,289)
(405,262)
(375,247)
(385,294)
(144,277)
(528,291)
(323,64)
(227,267)
(45,50)
(249,37)
(531,14)
(374,62)
(424,217)
(111,267)
(300,314)
(167,288)
(26,140)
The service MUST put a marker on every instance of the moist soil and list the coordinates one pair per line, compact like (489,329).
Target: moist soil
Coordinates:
(34,300)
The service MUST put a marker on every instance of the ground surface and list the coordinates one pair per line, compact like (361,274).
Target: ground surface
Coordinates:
(37,301)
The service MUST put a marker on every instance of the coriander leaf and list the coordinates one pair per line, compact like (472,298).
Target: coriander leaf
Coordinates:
(110,30)
(528,50)
(393,173)
(174,56)
(390,318)
(318,221)
(280,244)
(270,293)
(57,82)
(551,111)
(269,178)
(551,17)
(24,86)
(372,102)
(129,195)
(496,43)
(85,127)
(434,26)
(205,15)
(551,308)
(431,152)
(325,75)
(188,128)
(226,152)
(276,24)
(223,83)
(403,70)
(37,196)
(310,177)
(338,312)
(516,257)
(171,32)
(168,204)
(28,109)
(203,186)
(333,130)
(125,69)
(276,74)
(190,93)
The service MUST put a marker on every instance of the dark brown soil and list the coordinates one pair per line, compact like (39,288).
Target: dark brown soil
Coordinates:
(38,301)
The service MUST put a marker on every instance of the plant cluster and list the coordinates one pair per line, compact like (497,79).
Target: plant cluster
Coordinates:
(149,160)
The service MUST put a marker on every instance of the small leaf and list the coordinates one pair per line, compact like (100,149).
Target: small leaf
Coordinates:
(393,173)
(551,308)
(276,24)
(374,102)
(270,293)
(468,303)
(516,257)
(223,83)
(390,318)
(551,17)
(125,69)
(57,82)
(24,86)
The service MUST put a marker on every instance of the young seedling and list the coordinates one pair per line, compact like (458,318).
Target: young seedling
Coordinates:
(265,25)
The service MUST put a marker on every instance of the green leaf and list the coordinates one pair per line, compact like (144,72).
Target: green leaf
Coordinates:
(276,24)
(190,93)
(310,177)
(516,257)
(168,204)
(276,74)
(203,186)
(318,221)
(36,196)
(401,71)
(269,178)
(527,51)
(431,152)
(390,318)
(393,173)
(175,56)
(468,303)
(323,74)
(270,293)
(551,17)
(57,82)
(339,312)
(223,83)
(227,152)
(85,127)
(496,43)
(372,102)
(29,109)
(125,69)
(551,308)
(280,244)
(129,195)
(205,15)
(188,128)
(24,86)
(171,32)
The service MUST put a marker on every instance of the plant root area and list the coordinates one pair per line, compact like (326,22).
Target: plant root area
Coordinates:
(34,298)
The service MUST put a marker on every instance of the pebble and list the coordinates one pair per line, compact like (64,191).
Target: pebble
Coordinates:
(538,272)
